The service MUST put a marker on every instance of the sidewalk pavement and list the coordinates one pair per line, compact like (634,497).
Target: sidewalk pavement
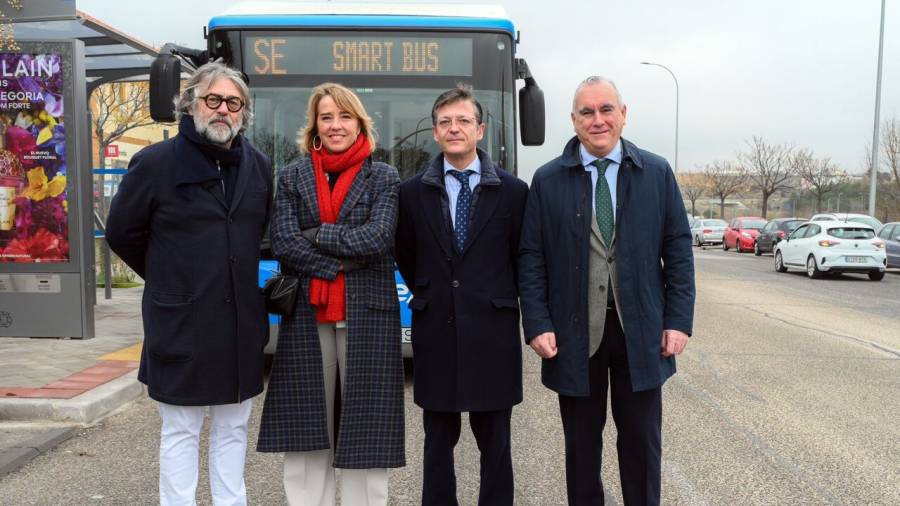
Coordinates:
(50,387)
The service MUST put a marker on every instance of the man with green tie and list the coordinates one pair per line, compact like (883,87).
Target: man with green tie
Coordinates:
(606,282)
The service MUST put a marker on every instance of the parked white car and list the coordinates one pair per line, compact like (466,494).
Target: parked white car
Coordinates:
(708,231)
(832,246)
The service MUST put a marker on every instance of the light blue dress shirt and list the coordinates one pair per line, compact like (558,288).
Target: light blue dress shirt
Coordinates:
(453,185)
(612,173)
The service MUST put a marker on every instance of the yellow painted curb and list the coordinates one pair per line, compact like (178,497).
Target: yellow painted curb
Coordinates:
(129,353)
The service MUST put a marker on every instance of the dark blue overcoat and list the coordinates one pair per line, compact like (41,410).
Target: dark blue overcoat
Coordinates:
(205,323)
(465,329)
(654,261)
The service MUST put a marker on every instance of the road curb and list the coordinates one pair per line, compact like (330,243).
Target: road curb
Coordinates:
(13,458)
(82,409)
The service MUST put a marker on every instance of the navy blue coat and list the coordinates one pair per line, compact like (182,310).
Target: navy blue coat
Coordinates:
(465,328)
(654,261)
(205,323)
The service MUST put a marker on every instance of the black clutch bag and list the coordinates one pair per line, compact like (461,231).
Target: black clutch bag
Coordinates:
(281,292)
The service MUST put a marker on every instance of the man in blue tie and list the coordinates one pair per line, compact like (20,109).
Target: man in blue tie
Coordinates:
(456,245)
(606,279)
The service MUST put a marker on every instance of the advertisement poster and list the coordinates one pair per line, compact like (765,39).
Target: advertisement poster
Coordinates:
(34,225)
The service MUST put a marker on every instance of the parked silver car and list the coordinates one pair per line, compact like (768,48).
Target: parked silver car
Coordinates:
(708,231)
(890,233)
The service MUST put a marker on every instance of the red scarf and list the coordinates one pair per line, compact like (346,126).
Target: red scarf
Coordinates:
(328,297)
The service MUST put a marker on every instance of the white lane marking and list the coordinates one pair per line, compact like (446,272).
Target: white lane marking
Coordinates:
(806,325)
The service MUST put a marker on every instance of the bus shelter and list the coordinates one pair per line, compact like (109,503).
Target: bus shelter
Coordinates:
(52,57)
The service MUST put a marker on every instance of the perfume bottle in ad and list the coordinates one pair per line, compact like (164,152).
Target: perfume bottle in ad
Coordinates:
(11,180)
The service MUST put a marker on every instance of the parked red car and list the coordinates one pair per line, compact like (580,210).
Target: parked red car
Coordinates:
(741,233)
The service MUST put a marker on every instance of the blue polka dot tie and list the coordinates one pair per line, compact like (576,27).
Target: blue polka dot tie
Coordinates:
(463,203)
(603,202)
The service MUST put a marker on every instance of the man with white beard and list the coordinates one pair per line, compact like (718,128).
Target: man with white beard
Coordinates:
(189,218)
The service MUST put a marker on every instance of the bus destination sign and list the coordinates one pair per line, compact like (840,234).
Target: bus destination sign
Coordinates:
(357,55)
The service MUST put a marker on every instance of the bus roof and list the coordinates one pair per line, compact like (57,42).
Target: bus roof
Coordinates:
(274,14)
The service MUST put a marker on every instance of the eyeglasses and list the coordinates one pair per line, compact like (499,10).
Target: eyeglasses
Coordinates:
(462,121)
(213,101)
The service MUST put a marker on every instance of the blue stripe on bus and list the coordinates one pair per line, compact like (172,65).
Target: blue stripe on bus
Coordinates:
(110,171)
(268,268)
(251,22)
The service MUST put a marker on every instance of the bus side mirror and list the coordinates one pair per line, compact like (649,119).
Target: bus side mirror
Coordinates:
(531,107)
(531,113)
(165,85)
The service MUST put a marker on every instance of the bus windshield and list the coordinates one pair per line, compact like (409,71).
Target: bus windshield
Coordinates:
(402,118)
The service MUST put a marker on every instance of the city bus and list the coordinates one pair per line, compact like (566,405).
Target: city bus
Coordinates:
(397,57)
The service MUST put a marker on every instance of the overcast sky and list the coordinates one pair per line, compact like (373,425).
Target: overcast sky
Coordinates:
(791,71)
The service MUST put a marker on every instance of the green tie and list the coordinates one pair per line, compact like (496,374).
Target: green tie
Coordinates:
(603,202)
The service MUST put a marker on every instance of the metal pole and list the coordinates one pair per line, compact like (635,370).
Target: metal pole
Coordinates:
(677,95)
(874,174)
(107,257)
(107,270)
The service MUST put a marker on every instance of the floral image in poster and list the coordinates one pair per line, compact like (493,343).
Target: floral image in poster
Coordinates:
(34,225)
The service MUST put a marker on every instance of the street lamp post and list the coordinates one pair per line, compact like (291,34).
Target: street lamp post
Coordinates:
(677,93)
(873,178)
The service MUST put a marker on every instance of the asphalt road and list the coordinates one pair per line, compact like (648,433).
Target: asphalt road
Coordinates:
(880,298)
(786,395)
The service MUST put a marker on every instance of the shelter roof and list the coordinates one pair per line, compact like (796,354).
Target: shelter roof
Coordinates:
(110,54)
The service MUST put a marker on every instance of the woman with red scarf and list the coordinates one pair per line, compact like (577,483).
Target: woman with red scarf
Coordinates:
(333,226)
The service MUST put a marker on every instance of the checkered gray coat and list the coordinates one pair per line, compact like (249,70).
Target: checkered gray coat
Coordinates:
(371,422)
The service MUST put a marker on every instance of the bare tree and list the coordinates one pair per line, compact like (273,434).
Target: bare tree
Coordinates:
(117,108)
(866,166)
(280,148)
(724,179)
(890,148)
(768,168)
(888,181)
(821,175)
(693,186)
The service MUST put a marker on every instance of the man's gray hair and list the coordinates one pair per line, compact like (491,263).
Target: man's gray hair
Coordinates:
(201,80)
(591,81)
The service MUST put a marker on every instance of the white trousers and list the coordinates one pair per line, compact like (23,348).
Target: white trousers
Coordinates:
(309,477)
(179,453)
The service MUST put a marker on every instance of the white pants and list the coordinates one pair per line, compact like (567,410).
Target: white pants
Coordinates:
(309,477)
(179,453)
